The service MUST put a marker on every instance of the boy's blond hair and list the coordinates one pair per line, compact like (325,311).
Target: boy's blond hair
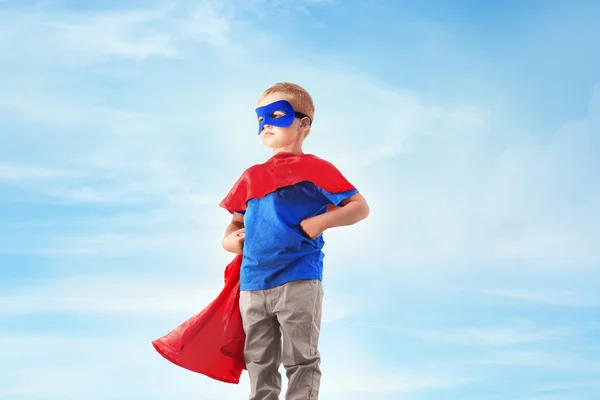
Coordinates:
(296,95)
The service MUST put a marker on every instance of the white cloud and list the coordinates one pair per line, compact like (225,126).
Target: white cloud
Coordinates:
(492,336)
(358,373)
(210,22)
(547,397)
(136,370)
(121,34)
(565,386)
(497,336)
(18,172)
(129,362)
(115,295)
(451,195)
(551,297)
(543,189)
(543,359)
(81,37)
(109,295)
(370,382)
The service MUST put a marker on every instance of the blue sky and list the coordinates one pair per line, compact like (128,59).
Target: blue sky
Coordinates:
(472,129)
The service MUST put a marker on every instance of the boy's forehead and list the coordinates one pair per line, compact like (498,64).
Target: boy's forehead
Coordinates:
(272,98)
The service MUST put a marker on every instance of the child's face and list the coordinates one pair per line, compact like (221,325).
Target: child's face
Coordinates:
(277,137)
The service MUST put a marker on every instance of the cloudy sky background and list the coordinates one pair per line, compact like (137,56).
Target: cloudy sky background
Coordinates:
(473,131)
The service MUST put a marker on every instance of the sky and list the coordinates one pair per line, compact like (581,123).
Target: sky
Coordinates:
(471,128)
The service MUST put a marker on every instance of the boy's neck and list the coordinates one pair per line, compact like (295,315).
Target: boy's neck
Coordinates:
(290,149)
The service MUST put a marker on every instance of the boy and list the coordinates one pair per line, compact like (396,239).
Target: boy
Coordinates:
(279,235)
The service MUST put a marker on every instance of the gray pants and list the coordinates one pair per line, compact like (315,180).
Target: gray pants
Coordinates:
(292,310)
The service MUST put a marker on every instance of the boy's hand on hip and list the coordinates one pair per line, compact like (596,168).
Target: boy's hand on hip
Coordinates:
(234,242)
(313,226)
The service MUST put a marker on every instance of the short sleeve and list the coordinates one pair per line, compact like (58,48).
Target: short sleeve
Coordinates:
(337,198)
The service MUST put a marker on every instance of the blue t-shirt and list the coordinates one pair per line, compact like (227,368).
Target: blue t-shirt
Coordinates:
(276,250)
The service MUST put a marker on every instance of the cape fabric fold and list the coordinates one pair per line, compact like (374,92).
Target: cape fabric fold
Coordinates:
(283,169)
(211,342)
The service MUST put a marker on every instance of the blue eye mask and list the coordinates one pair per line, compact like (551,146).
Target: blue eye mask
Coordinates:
(280,114)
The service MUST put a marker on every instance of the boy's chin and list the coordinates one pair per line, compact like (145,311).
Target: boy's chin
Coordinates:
(272,144)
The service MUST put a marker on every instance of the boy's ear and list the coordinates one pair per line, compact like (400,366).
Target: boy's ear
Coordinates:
(305,126)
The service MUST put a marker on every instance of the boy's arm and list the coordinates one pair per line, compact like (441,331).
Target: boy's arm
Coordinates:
(352,210)
(233,241)
(237,222)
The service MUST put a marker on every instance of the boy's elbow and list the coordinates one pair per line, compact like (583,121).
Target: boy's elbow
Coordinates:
(366,211)
(224,244)
(363,210)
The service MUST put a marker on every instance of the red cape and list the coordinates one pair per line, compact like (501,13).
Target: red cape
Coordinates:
(212,341)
